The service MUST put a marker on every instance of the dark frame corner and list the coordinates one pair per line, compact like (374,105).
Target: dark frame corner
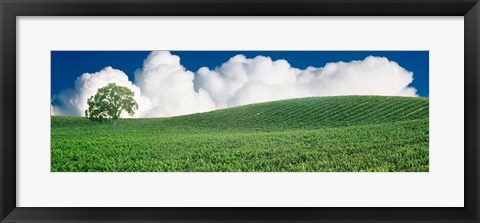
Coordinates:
(10,9)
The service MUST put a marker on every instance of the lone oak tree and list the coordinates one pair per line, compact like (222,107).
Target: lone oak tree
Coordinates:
(109,102)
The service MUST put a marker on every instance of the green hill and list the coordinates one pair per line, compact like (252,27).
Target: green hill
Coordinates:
(344,133)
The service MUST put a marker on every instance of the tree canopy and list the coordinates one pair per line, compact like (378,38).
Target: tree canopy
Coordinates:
(109,102)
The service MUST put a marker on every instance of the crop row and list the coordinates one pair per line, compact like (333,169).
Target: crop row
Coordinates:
(400,146)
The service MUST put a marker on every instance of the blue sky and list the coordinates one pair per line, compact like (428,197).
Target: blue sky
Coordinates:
(68,65)
(172,83)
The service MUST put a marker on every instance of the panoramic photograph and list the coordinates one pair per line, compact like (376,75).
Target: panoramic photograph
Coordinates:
(239,111)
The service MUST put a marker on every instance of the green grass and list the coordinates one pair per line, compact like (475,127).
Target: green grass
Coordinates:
(321,134)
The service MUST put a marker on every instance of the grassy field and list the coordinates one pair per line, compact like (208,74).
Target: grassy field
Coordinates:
(321,134)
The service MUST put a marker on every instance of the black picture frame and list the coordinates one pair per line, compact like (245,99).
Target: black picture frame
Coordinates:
(10,9)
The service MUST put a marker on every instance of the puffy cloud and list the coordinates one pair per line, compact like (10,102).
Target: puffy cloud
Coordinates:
(242,81)
(371,76)
(73,102)
(163,87)
(169,86)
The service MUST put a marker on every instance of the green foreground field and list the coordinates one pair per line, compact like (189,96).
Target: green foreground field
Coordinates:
(321,134)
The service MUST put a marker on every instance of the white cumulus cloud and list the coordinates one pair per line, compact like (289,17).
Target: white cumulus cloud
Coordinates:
(73,102)
(163,87)
(169,86)
(242,81)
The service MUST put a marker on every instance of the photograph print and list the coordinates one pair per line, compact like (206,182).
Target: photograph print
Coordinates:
(239,111)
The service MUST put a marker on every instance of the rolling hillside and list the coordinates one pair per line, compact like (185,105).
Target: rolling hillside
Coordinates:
(344,133)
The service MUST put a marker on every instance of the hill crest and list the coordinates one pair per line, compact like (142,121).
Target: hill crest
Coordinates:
(300,113)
